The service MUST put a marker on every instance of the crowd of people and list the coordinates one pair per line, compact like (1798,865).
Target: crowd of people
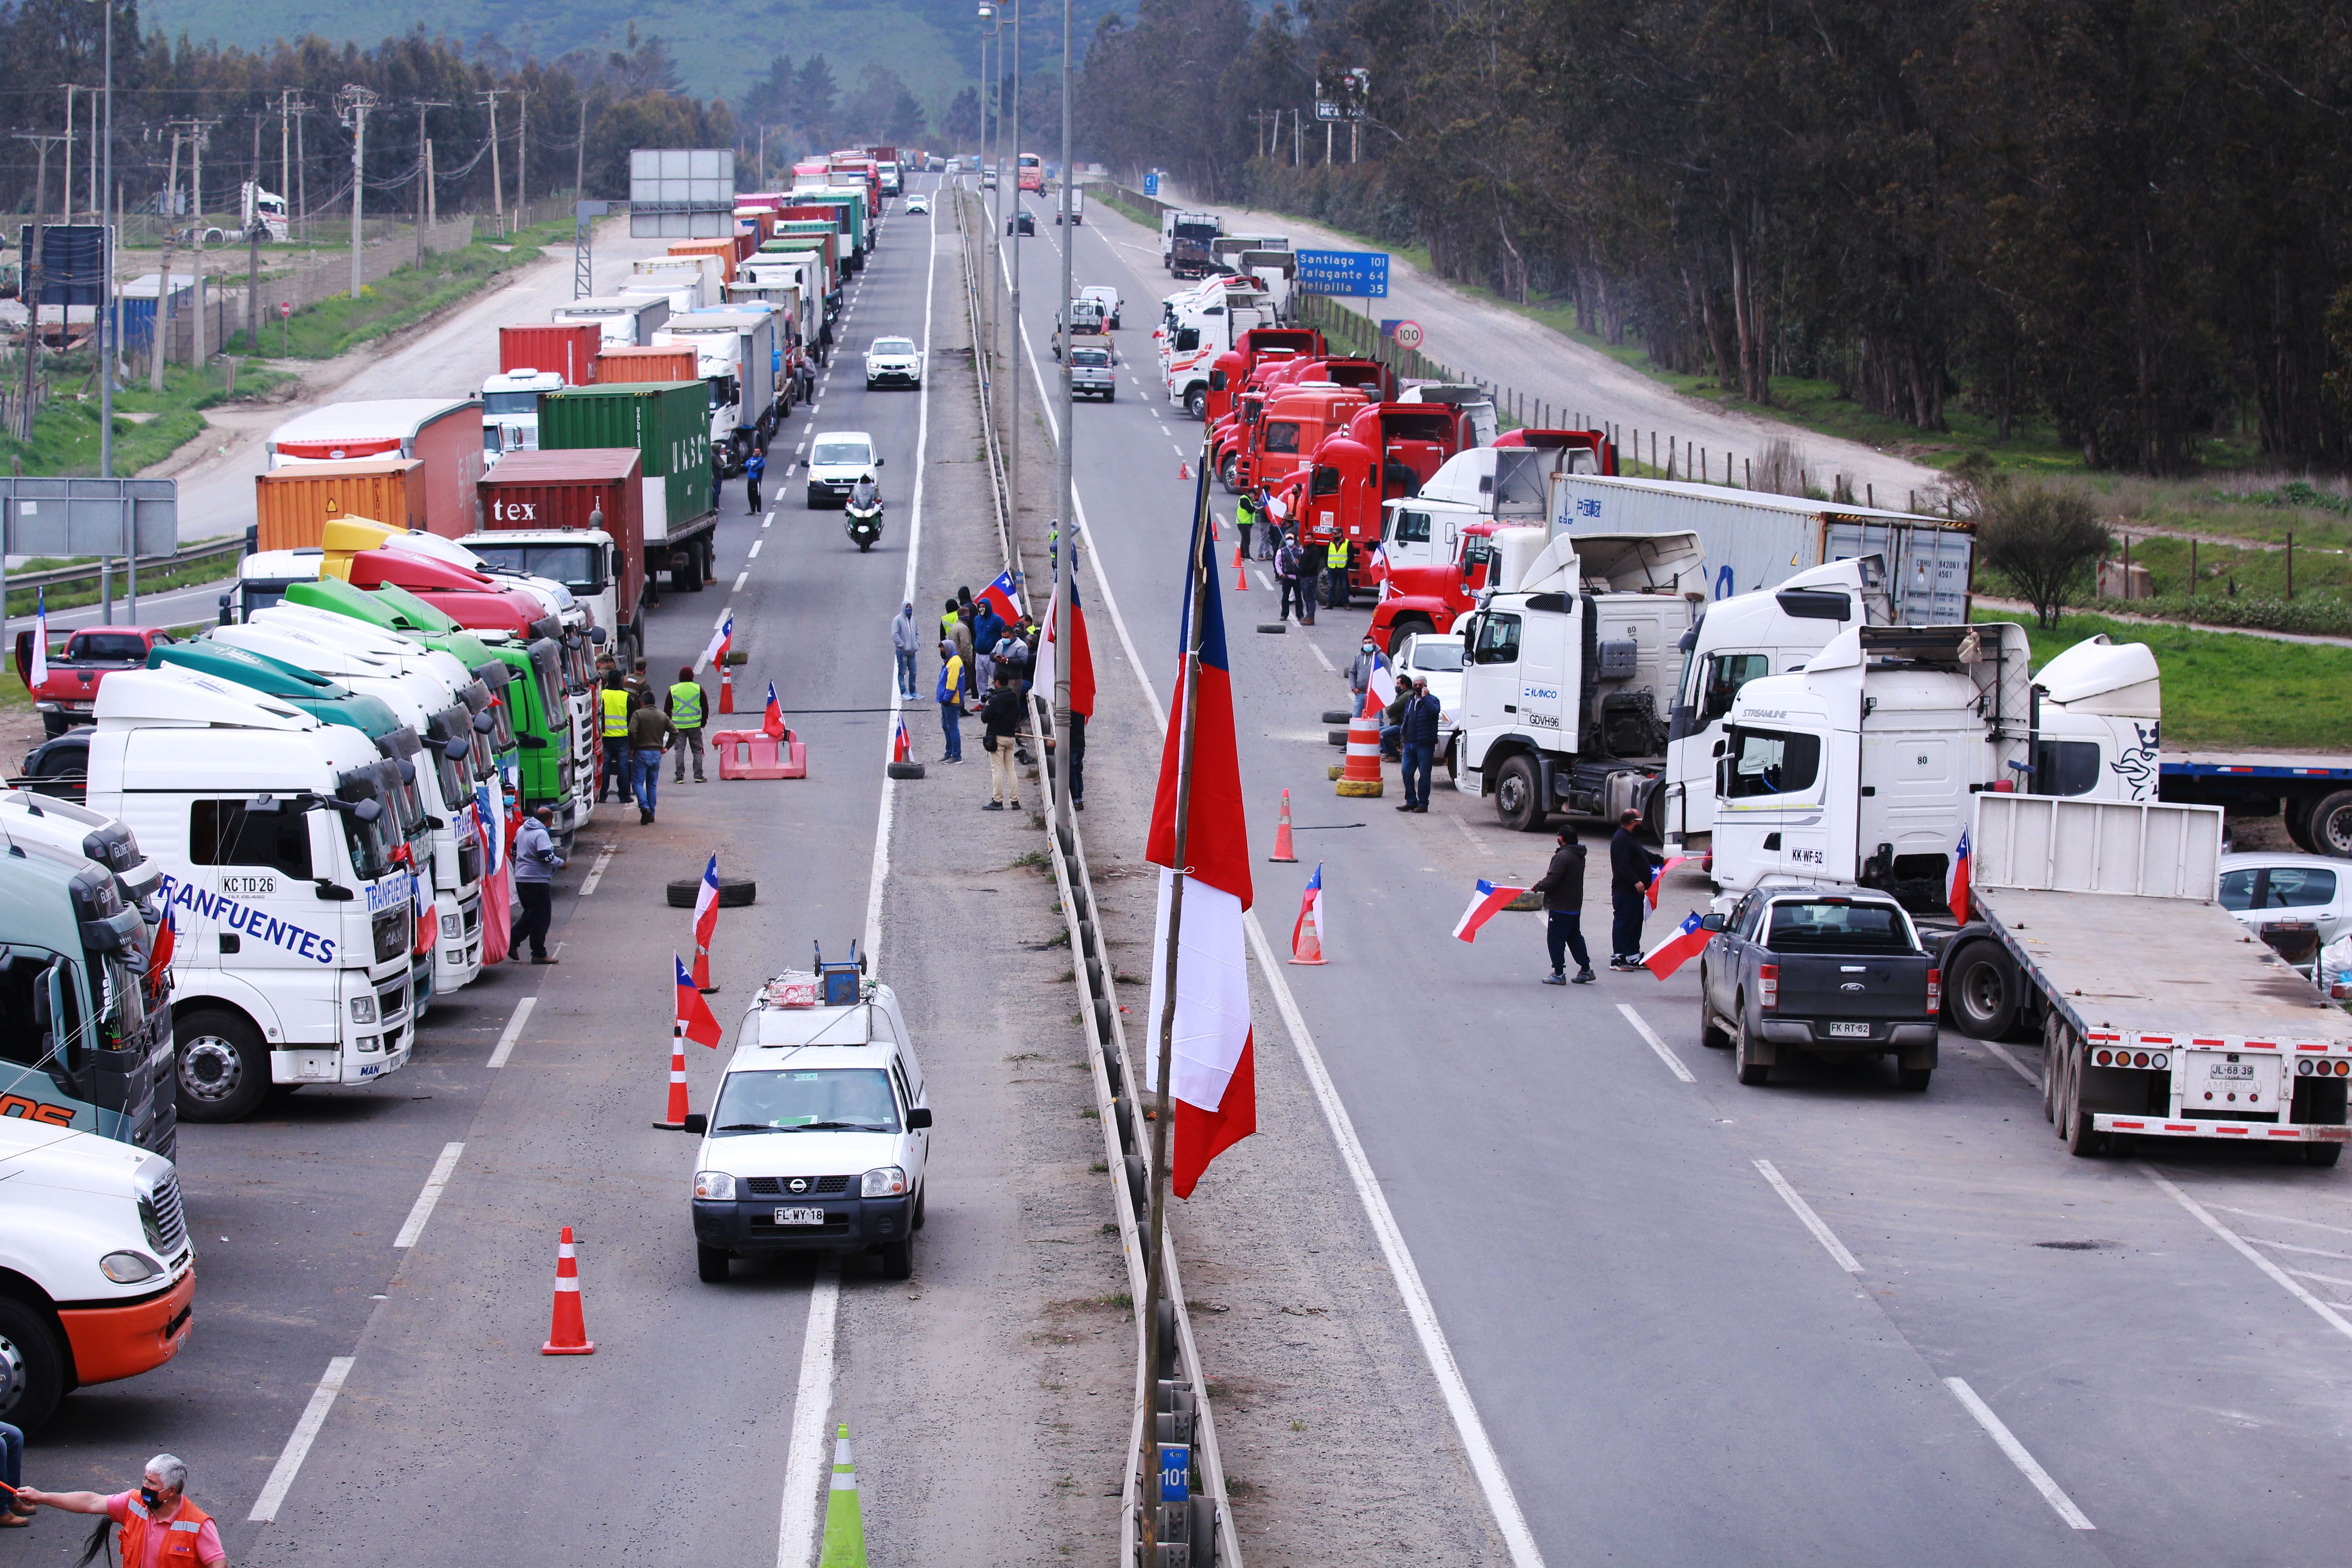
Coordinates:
(637,728)
(987,667)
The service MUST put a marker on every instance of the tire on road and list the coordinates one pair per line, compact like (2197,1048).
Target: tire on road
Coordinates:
(1752,1072)
(734,892)
(1336,715)
(710,1263)
(223,1065)
(1981,989)
(2083,1140)
(1518,796)
(2331,825)
(898,1258)
(1196,402)
(32,1367)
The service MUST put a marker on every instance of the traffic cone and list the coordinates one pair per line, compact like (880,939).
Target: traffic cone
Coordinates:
(1183,470)
(1306,943)
(1361,775)
(725,689)
(1282,849)
(1237,549)
(845,1520)
(1240,578)
(676,1079)
(566,1334)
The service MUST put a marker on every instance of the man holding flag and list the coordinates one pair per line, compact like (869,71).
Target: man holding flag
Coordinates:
(1562,887)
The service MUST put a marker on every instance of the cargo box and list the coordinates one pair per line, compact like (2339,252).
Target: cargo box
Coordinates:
(667,423)
(292,506)
(568,349)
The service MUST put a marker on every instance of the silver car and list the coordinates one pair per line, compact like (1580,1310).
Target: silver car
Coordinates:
(2264,888)
(1094,373)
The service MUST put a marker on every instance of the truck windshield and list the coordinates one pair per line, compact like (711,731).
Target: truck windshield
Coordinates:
(487,694)
(1091,359)
(456,777)
(510,403)
(822,1100)
(1838,925)
(545,669)
(576,566)
(372,842)
(408,794)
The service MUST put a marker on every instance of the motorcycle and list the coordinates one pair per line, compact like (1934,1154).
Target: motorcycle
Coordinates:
(864,523)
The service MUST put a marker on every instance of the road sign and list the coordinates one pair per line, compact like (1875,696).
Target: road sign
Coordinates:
(285,308)
(90,516)
(1361,273)
(1407,334)
(1151,184)
(682,193)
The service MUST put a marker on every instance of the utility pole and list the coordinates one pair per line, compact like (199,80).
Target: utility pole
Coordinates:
(579,155)
(356,102)
(522,158)
(157,335)
(298,107)
(1066,556)
(1012,338)
(30,286)
(65,207)
(498,183)
(200,133)
(110,325)
(425,171)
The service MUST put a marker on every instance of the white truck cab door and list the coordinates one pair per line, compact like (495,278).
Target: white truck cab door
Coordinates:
(1770,815)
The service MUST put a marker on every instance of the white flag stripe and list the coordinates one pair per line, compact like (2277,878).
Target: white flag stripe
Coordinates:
(1213,1013)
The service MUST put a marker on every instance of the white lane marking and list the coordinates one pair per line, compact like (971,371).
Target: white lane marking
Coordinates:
(2300,1251)
(1321,658)
(740,578)
(1650,1037)
(423,1210)
(806,1462)
(1813,1222)
(771,516)
(2323,1279)
(754,553)
(2014,1065)
(513,1033)
(769,519)
(1483,848)
(2281,1218)
(596,872)
(1484,1462)
(1265,581)
(297,1447)
(2335,1320)
(802,448)
(720,618)
(2025,1462)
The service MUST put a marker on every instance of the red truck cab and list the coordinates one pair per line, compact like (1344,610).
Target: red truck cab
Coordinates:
(1296,422)
(1431,598)
(467,597)
(69,694)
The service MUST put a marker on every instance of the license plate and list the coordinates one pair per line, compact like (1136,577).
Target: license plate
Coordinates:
(1850,1031)
(799,1217)
(2228,1083)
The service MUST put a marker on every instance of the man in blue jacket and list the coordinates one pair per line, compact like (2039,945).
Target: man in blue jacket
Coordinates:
(1630,868)
(1418,731)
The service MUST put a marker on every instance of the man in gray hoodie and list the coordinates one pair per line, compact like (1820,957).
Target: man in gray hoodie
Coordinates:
(905,642)
(535,863)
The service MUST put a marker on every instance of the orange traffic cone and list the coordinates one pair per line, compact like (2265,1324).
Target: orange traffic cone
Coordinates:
(725,689)
(676,1079)
(566,1333)
(1361,775)
(1282,849)
(1307,940)
(1183,471)
(1237,549)
(1240,578)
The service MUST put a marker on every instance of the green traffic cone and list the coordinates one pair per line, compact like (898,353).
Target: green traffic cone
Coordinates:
(844,1524)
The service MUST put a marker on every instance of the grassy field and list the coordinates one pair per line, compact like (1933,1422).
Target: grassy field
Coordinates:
(405,297)
(2224,691)
(148,427)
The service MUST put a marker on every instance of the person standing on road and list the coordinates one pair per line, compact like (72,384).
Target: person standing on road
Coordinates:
(754,466)
(1359,673)
(949,697)
(686,705)
(1335,573)
(1246,518)
(905,641)
(1000,718)
(960,631)
(650,734)
(1392,722)
(639,684)
(613,714)
(158,1525)
(535,865)
(1419,734)
(1310,580)
(14,1514)
(987,631)
(1630,868)
(1562,887)
(1286,573)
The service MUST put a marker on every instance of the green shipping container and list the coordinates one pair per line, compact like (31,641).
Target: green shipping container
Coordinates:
(668,421)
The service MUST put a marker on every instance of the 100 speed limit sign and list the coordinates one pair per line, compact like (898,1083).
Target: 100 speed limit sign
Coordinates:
(1408,335)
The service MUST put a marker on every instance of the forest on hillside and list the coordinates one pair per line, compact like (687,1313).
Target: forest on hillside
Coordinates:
(2130,219)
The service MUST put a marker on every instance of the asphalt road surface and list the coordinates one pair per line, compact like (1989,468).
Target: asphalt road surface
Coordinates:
(1674,1361)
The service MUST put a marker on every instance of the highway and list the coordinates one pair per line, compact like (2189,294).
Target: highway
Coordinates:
(1674,1361)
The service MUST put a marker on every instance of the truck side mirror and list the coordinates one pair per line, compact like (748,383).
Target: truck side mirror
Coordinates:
(484,723)
(597,635)
(1711,923)
(333,893)
(919,1118)
(458,749)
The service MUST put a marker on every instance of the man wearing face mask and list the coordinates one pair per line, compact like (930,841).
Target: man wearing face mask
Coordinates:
(160,1527)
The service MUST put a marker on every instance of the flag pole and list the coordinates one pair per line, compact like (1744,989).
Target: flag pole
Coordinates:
(1154,1285)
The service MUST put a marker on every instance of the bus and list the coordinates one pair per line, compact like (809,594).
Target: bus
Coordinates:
(1033,172)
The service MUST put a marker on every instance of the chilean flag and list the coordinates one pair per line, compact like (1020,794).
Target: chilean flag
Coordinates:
(1380,689)
(1676,950)
(720,641)
(1485,904)
(693,1011)
(1309,923)
(40,676)
(159,953)
(1082,658)
(1000,594)
(1956,890)
(773,723)
(901,749)
(706,923)
(1214,1077)
(1658,875)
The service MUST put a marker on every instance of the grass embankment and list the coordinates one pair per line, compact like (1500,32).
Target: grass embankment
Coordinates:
(404,297)
(2226,691)
(148,427)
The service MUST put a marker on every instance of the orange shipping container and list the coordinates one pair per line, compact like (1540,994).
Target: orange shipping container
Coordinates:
(629,364)
(293,505)
(727,250)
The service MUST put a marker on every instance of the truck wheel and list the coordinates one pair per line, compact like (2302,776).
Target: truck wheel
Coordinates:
(32,1368)
(2322,1155)
(1709,1036)
(1405,626)
(1454,760)
(2083,1140)
(1196,403)
(2054,1047)
(1913,1078)
(1982,985)
(2331,825)
(897,1260)
(1751,1071)
(224,1067)
(2298,817)
(710,1263)
(1518,796)
(816,500)
(1229,472)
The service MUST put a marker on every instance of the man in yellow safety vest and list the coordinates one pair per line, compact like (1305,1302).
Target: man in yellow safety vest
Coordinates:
(686,706)
(613,705)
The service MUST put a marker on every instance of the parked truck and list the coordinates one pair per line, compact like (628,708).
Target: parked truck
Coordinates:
(533,359)
(1185,239)
(669,426)
(293,505)
(625,320)
(578,517)
(738,362)
(264,210)
(444,434)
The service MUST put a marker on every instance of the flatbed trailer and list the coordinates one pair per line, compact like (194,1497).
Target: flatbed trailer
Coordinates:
(2162,1015)
(2313,792)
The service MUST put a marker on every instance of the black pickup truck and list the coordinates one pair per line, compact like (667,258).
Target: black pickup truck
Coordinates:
(1835,972)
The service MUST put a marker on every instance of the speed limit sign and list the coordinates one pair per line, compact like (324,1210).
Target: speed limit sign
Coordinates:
(1408,335)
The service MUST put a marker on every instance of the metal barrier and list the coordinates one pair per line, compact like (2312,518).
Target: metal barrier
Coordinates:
(1125,1148)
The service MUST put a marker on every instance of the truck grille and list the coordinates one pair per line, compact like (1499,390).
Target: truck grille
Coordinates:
(391,934)
(392,1000)
(166,1223)
(822,1187)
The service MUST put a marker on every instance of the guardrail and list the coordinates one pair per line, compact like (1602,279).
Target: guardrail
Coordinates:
(1126,1149)
(76,577)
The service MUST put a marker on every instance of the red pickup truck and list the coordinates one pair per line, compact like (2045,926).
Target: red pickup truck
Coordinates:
(70,695)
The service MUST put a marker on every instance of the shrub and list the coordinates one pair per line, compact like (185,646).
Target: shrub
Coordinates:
(2046,540)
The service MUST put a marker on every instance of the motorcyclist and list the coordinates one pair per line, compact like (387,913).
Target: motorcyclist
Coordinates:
(865,494)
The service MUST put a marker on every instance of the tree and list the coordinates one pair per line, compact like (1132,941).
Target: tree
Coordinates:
(813,97)
(960,124)
(2046,540)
